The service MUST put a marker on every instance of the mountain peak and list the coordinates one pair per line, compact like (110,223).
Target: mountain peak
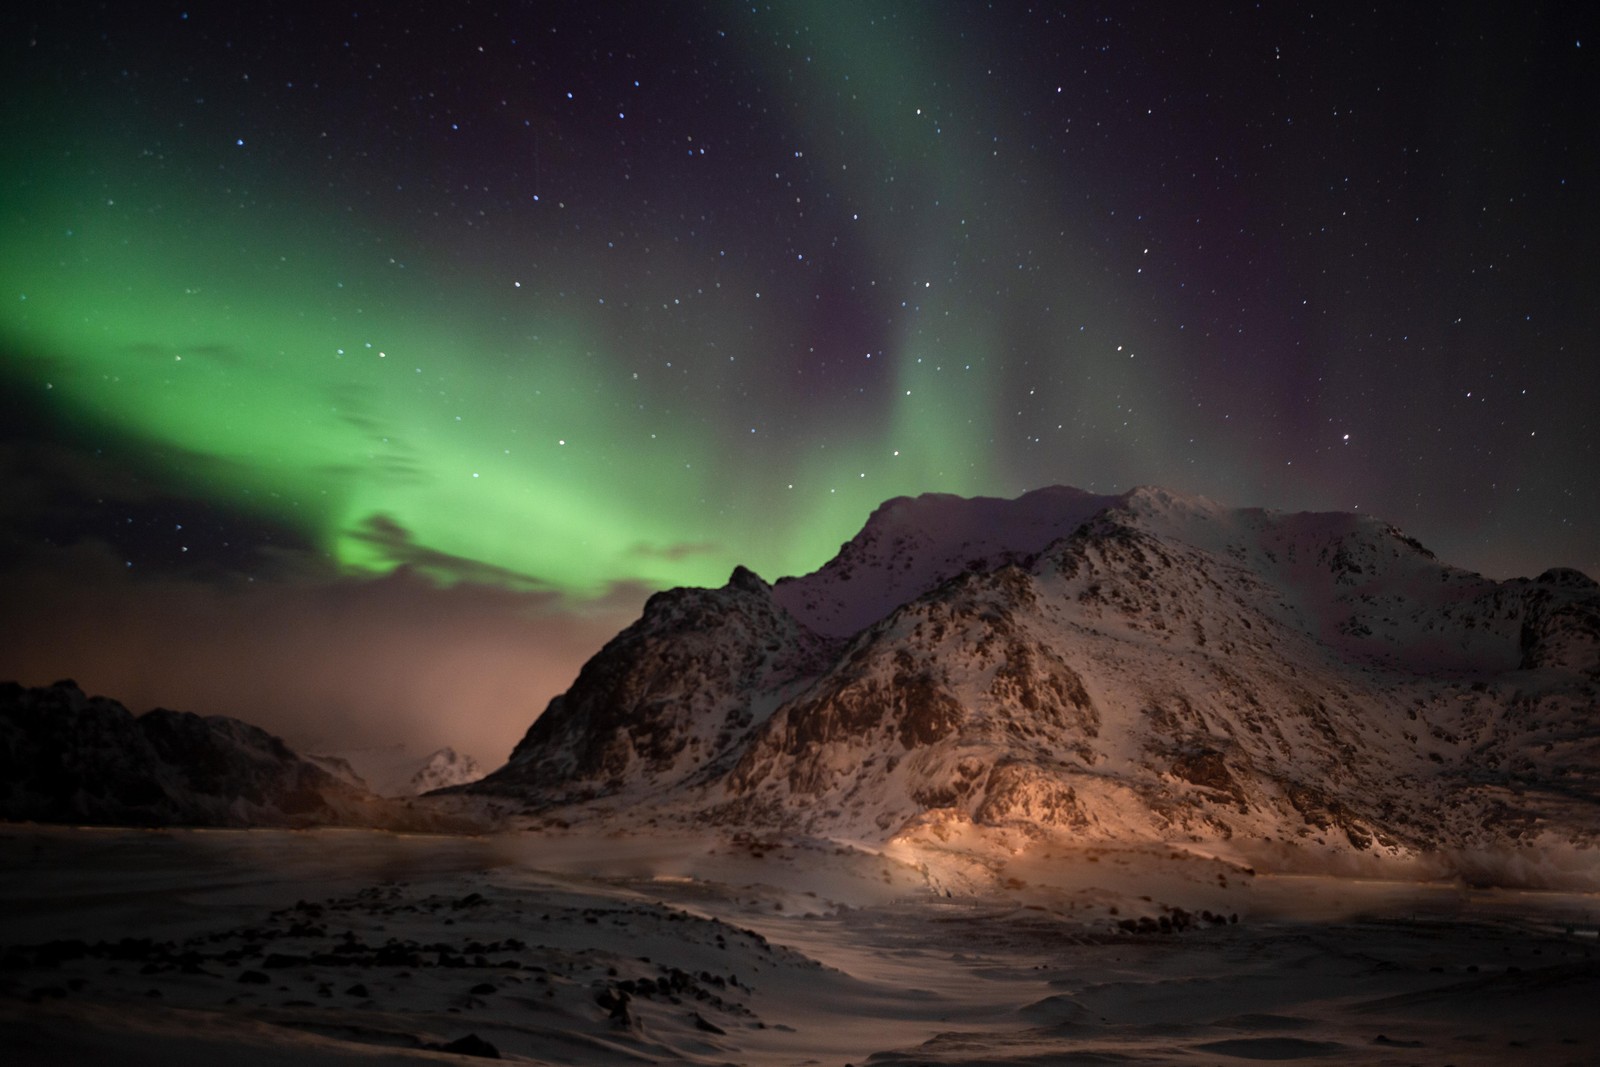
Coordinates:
(910,545)
(1146,666)
(743,578)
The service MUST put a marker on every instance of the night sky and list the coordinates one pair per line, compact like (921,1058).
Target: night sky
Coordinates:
(363,366)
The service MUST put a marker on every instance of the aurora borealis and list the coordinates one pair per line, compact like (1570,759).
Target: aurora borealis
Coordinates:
(574,301)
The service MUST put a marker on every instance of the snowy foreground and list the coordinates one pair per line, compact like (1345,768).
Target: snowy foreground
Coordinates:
(367,947)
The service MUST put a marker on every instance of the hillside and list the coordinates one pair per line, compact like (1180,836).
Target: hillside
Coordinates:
(1145,667)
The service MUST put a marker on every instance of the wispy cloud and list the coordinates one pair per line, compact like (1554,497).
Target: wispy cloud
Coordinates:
(676,552)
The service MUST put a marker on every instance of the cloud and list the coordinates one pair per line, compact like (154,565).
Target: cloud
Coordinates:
(397,547)
(678,551)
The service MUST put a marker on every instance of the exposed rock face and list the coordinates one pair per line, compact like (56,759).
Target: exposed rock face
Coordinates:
(672,697)
(1158,667)
(67,757)
(1561,626)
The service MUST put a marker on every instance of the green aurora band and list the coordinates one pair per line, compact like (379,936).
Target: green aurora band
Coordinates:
(272,370)
(401,398)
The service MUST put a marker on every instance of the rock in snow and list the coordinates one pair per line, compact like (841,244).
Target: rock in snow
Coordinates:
(1147,666)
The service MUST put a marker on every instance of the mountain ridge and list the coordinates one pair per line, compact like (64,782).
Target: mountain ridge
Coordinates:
(1167,669)
(66,756)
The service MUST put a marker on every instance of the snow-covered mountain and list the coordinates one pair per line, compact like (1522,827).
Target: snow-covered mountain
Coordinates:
(445,767)
(1145,666)
(910,545)
(68,757)
(397,771)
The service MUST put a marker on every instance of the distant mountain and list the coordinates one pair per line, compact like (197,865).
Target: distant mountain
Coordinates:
(1146,666)
(68,757)
(397,771)
(443,769)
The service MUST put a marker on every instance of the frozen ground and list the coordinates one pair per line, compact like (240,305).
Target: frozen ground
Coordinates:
(358,947)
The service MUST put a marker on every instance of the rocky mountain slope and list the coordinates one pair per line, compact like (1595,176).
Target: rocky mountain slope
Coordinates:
(68,757)
(1146,666)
